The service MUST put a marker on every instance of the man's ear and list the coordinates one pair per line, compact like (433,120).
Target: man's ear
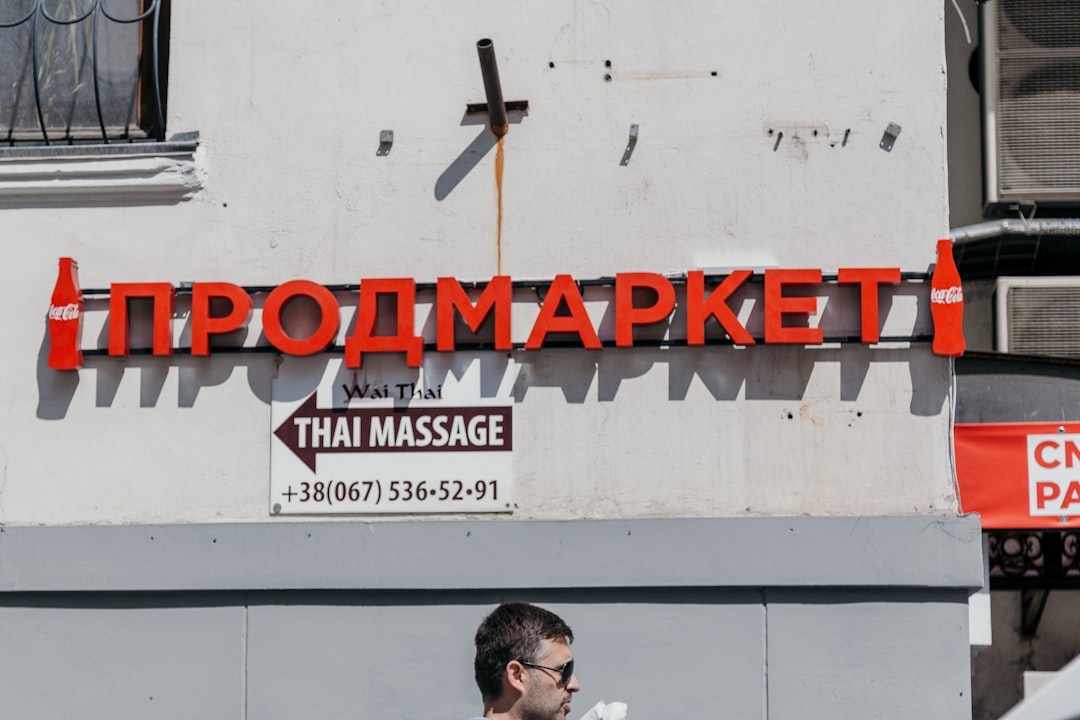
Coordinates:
(514,676)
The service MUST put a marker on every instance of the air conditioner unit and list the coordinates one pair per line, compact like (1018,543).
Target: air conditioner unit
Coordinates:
(1031,101)
(1038,316)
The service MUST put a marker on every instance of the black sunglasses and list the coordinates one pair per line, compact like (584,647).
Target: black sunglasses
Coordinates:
(565,671)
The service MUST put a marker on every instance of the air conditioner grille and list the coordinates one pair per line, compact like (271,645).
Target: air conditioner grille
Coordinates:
(1044,320)
(1044,24)
(1038,98)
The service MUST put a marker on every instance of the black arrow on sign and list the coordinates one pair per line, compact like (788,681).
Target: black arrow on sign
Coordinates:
(347,430)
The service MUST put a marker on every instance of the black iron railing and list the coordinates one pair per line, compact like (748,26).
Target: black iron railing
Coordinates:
(52,55)
(1034,559)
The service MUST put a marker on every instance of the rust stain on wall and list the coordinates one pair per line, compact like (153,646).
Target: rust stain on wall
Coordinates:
(499,160)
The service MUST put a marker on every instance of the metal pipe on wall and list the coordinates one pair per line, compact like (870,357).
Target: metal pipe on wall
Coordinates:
(492,87)
(1015,226)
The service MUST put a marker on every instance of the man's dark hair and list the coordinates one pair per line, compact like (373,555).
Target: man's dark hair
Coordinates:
(513,631)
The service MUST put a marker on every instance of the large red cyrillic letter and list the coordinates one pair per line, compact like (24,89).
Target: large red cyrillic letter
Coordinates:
(627,316)
(450,296)
(777,306)
(700,308)
(363,340)
(562,289)
(329,318)
(868,280)
(203,325)
(162,295)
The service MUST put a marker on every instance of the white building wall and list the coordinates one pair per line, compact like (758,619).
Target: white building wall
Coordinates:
(289,101)
(142,568)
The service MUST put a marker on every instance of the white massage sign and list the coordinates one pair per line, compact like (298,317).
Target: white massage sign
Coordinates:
(386,438)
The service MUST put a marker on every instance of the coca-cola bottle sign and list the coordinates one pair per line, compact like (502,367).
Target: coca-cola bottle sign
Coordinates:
(947,303)
(65,319)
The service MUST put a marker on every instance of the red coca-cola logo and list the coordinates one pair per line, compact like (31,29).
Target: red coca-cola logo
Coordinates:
(947,296)
(64,312)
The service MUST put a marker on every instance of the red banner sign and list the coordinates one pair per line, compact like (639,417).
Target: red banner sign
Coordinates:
(1020,475)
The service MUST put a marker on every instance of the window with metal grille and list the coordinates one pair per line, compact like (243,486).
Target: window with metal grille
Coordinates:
(75,71)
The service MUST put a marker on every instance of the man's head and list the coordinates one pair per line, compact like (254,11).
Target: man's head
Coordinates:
(522,650)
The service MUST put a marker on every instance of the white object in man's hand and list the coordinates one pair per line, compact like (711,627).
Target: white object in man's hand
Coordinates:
(606,711)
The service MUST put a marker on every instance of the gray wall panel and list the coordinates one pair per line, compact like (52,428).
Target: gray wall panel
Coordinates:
(866,655)
(117,661)
(362,662)
(359,661)
(810,618)
(894,551)
(690,657)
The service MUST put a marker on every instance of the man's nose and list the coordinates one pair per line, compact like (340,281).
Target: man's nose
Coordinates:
(573,686)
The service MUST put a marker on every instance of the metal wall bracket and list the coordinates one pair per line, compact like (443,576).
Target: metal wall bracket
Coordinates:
(519,106)
(386,141)
(630,145)
(889,138)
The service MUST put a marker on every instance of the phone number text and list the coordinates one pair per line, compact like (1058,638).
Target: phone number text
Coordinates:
(378,492)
